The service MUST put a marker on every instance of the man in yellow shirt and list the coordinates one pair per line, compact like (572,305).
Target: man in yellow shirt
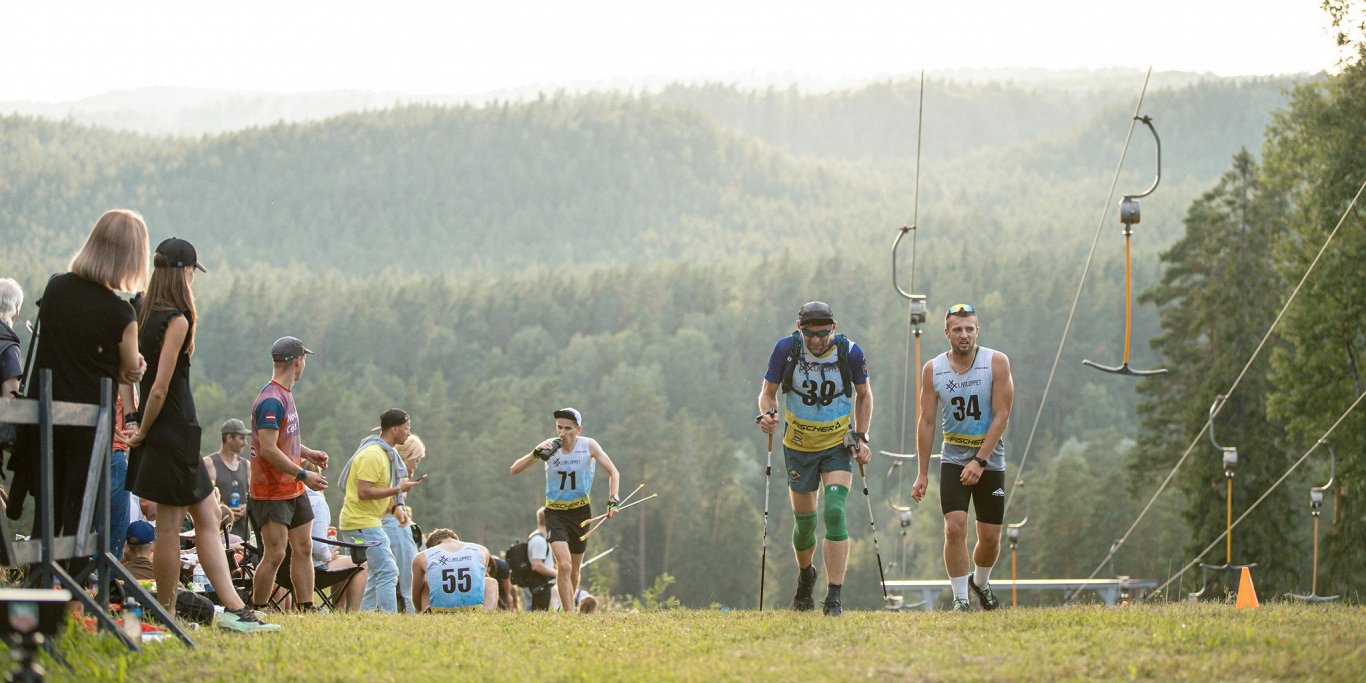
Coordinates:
(375,481)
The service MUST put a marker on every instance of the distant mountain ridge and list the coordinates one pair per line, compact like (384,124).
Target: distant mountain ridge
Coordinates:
(692,173)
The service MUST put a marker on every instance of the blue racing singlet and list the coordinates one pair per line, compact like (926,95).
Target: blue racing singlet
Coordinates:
(569,477)
(456,579)
(817,409)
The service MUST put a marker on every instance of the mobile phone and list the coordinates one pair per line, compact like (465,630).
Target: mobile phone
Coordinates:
(417,479)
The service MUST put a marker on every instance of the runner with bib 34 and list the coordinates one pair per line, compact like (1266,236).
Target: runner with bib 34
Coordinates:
(974,386)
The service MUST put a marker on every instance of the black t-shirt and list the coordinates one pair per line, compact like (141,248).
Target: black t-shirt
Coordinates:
(10,365)
(81,325)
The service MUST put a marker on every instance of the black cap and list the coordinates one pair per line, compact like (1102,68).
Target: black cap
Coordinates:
(286,349)
(815,312)
(179,253)
(392,417)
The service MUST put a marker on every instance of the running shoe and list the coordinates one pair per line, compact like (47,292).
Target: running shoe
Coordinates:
(806,583)
(832,608)
(961,605)
(244,621)
(984,595)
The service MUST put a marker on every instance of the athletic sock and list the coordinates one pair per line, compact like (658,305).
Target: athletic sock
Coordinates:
(832,591)
(981,575)
(807,576)
(960,586)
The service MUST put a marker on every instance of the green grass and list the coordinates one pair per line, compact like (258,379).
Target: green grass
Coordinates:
(1164,642)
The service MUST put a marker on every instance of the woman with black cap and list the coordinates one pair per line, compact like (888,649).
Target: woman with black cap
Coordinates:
(164,464)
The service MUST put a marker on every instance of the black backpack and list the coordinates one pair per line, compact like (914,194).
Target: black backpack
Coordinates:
(519,562)
(794,354)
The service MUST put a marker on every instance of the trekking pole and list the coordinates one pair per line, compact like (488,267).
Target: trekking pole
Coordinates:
(763,556)
(619,509)
(620,505)
(873,524)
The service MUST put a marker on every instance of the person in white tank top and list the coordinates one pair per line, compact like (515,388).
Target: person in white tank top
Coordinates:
(974,388)
(452,576)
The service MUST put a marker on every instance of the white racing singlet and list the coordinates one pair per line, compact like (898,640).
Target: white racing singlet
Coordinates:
(965,401)
(455,580)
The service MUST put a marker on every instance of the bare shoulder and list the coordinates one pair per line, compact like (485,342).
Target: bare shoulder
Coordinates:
(1000,364)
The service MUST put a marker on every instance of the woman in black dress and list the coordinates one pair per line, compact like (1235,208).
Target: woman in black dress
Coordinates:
(87,333)
(164,464)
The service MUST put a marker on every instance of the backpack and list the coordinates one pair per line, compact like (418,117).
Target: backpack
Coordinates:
(794,353)
(519,562)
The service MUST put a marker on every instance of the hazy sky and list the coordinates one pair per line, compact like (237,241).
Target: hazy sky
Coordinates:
(57,50)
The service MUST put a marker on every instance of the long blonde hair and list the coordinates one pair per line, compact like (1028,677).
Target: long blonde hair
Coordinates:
(115,252)
(169,290)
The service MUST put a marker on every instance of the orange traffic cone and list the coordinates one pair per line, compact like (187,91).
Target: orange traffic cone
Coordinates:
(1247,595)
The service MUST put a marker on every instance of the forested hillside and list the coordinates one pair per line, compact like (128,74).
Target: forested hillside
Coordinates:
(637,256)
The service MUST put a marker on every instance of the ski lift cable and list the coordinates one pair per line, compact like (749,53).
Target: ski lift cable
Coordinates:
(1081,283)
(1321,441)
(1236,382)
(915,312)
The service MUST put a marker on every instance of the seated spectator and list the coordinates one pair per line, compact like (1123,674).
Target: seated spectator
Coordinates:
(508,595)
(11,367)
(451,576)
(138,550)
(327,556)
(584,602)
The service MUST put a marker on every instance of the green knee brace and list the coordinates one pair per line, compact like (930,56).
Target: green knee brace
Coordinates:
(804,533)
(835,529)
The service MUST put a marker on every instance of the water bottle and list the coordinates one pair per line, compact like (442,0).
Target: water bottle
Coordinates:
(550,451)
(132,619)
(234,498)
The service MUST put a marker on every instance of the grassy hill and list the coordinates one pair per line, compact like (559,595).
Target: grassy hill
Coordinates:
(1161,642)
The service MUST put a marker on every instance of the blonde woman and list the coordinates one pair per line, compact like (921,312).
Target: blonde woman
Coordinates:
(164,464)
(87,333)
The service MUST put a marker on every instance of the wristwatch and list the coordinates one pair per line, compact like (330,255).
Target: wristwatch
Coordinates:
(303,473)
(861,436)
(980,461)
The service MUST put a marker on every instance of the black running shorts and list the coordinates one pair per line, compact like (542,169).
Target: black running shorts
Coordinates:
(565,525)
(292,513)
(988,495)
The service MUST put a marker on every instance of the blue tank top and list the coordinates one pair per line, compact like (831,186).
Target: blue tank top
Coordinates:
(455,580)
(965,401)
(569,477)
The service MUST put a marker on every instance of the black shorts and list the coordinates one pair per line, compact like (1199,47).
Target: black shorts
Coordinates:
(988,495)
(292,513)
(565,525)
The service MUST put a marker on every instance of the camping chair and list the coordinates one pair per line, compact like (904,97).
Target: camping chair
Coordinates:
(323,578)
(336,579)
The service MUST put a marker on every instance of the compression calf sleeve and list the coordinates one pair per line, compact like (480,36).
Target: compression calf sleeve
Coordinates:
(804,532)
(835,528)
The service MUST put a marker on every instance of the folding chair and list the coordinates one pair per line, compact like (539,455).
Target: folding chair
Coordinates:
(323,578)
(336,579)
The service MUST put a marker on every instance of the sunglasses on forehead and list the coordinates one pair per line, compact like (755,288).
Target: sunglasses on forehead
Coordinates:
(960,308)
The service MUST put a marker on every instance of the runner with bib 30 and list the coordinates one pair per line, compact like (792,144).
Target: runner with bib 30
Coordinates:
(825,379)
